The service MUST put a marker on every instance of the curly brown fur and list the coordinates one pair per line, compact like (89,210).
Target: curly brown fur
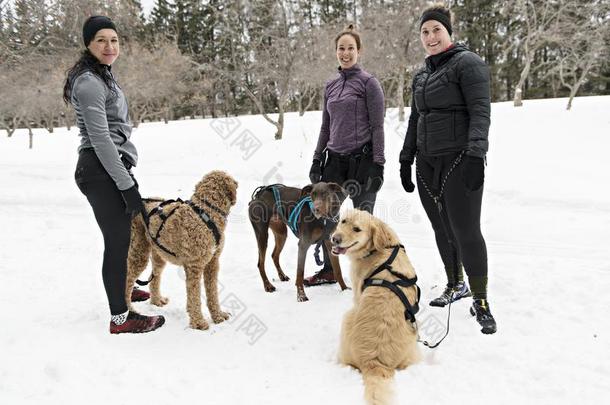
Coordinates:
(375,337)
(191,241)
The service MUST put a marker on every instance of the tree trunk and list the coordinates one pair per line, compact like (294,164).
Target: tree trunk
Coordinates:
(300,104)
(261,109)
(280,121)
(400,93)
(31,138)
(517,101)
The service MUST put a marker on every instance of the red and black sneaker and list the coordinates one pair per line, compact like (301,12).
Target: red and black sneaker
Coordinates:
(324,276)
(138,295)
(136,323)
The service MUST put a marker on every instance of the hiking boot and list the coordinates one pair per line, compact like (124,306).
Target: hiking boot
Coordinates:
(138,295)
(480,308)
(136,323)
(451,294)
(324,276)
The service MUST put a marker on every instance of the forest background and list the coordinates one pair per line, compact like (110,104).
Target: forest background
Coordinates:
(215,58)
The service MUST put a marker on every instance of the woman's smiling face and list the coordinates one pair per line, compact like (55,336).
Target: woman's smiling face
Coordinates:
(105,46)
(347,51)
(434,37)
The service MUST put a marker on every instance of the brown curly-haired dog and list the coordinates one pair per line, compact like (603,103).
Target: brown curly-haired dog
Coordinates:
(187,241)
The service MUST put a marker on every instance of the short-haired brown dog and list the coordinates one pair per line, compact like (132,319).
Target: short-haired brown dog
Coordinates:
(276,205)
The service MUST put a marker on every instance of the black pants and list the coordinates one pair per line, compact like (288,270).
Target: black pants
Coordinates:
(350,172)
(109,210)
(458,232)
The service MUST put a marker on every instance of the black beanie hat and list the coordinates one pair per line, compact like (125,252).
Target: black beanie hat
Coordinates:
(437,15)
(93,24)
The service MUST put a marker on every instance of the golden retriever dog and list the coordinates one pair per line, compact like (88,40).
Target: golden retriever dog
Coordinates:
(375,336)
(188,234)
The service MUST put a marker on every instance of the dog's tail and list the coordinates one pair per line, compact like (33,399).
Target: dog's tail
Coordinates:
(378,380)
(145,283)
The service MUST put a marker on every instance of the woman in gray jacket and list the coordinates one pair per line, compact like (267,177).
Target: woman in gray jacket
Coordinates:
(447,132)
(106,156)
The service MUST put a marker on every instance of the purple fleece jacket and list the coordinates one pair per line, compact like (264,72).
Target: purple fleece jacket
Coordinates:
(353,114)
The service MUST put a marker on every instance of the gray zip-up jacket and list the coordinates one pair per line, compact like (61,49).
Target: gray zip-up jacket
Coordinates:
(353,114)
(103,120)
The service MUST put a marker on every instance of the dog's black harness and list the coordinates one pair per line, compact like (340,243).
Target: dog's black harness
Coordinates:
(159,210)
(403,281)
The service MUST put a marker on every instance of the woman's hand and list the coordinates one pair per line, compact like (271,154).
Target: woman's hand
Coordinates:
(375,180)
(473,172)
(133,201)
(315,174)
(405,177)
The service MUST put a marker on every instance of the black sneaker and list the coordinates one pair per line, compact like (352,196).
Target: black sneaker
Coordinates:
(480,308)
(451,294)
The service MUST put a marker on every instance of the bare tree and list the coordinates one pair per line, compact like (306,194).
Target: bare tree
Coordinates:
(154,80)
(541,25)
(269,72)
(391,35)
(316,63)
(584,47)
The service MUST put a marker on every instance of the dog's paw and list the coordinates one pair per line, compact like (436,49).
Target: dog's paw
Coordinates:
(283,277)
(346,288)
(220,316)
(200,324)
(159,301)
(302,297)
(269,287)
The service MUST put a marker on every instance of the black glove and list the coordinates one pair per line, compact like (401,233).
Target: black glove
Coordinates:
(405,177)
(133,201)
(315,174)
(473,172)
(375,180)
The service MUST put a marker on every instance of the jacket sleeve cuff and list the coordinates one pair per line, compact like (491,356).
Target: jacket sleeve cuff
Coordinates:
(407,156)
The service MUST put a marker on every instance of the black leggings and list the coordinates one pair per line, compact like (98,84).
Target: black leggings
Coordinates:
(461,212)
(115,224)
(338,171)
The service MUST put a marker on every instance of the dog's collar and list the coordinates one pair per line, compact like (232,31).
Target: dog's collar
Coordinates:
(369,254)
(214,207)
(372,252)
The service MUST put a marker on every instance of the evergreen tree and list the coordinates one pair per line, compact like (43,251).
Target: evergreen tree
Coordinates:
(31,25)
(163,20)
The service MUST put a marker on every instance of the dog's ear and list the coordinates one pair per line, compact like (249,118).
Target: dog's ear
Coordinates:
(306,190)
(339,191)
(381,234)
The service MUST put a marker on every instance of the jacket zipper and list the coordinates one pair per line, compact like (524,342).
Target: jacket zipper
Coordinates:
(426,114)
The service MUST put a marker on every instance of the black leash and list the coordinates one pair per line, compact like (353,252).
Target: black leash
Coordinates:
(433,346)
(439,206)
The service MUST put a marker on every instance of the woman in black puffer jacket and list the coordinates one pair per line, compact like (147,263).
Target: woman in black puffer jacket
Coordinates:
(447,132)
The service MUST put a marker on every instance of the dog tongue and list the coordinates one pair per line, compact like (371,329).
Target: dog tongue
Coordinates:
(339,250)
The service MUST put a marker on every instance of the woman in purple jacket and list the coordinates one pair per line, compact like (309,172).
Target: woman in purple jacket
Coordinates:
(350,148)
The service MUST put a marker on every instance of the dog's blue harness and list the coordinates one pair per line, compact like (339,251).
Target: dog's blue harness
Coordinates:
(292,219)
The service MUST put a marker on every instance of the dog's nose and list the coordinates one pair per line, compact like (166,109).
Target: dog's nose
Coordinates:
(336,239)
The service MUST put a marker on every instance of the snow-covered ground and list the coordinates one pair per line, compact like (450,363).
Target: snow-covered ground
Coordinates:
(546,219)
